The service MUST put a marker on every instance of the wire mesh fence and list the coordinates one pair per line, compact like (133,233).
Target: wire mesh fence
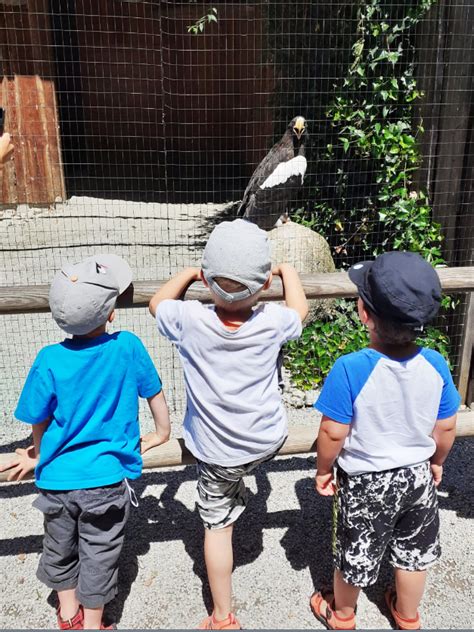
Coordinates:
(137,126)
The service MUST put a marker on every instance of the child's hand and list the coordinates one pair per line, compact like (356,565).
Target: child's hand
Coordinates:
(151,440)
(325,484)
(437,471)
(25,462)
(6,147)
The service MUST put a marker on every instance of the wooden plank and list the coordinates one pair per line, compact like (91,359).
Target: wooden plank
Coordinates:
(467,345)
(454,125)
(301,440)
(34,298)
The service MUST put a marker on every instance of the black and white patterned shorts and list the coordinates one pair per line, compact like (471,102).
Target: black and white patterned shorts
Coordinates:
(221,492)
(397,509)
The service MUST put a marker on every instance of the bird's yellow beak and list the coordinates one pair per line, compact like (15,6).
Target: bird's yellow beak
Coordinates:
(299,127)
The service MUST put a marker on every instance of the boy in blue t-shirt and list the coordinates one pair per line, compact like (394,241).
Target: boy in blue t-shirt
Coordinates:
(81,397)
(389,415)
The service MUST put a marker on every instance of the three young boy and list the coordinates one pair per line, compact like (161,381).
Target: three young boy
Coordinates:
(388,417)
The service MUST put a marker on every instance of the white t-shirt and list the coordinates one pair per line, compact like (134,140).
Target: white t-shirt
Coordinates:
(234,412)
(391,405)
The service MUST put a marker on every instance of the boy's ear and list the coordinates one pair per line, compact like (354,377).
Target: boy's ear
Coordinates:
(111,316)
(203,279)
(268,282)
(364,315)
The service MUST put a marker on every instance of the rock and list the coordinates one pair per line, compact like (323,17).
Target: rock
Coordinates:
(308,252)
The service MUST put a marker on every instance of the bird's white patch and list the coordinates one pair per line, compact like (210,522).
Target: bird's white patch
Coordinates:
(284,171)
(358,266)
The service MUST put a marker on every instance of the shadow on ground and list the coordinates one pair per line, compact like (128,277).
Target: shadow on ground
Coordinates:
(306,541)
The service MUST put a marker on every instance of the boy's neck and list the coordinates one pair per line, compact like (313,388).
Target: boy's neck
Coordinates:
(93,334)
(233,319)
(397,352)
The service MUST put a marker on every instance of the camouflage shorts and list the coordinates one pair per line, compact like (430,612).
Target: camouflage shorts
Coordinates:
(396,509)
(222,495)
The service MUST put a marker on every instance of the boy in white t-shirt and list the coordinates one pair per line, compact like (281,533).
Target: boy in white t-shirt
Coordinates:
(234,417)
(389,416)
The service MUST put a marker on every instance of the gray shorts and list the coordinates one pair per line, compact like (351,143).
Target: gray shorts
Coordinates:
(395,510)
(83,537)
(222,495)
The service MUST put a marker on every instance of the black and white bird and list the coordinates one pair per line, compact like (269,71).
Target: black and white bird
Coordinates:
(277,178)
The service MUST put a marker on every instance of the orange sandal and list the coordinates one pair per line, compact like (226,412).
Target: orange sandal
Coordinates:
(76,623)
(401,623)
(211,623)
(322,605)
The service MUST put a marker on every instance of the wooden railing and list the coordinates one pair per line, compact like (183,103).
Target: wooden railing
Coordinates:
(34,298)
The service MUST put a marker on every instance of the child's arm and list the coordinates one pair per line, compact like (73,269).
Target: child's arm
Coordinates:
(331,437)
(27,458)
(175,287)
(444,434)
(159,411)
(292,289)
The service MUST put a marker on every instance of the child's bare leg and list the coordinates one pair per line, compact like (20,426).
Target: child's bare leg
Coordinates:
(93,618)
(410,586)
(68,603)
(345,596)
(219,558)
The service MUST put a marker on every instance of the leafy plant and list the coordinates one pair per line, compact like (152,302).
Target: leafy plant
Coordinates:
(198,26)
(310,358)
(367,201)
(374,205)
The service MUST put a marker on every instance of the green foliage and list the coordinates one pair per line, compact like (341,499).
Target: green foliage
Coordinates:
(198,26)
(375,205)
(367,201)
(310,358)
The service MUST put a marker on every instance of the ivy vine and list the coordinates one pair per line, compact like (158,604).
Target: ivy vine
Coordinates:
(376,205)
(372,204)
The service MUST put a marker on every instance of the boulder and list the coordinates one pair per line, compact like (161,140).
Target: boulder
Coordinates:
(308,252)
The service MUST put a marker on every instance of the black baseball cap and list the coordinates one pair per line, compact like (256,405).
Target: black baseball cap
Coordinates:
(400,286)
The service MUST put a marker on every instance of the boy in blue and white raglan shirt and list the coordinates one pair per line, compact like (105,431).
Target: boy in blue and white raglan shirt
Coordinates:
(81,397)
(389,415)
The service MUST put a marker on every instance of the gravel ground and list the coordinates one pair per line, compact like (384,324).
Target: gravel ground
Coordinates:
(282,541)
(282,550)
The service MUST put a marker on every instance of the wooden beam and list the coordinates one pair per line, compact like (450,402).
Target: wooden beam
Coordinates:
(301,440)
(34,298)
(467,346)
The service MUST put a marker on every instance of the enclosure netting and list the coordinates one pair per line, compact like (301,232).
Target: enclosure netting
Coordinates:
(138,124)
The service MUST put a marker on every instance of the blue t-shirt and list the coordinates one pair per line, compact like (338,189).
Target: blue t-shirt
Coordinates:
(89,388)
(391,405)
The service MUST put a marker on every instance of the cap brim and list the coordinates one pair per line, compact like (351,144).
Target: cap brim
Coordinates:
(358,273)
(119,267)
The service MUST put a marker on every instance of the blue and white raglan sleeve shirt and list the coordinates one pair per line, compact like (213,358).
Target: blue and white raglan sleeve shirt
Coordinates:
(392,407)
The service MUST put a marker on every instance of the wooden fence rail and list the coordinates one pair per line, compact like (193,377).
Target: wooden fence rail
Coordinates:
(301,440)
(34,298)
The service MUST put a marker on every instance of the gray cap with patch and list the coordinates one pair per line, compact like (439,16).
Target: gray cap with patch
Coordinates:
(82,295)
(239,251)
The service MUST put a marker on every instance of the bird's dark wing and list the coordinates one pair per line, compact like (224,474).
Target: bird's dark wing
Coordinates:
(278,153)
(270,199)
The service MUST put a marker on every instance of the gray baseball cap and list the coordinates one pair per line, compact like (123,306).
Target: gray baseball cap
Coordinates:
(82,295)
(239,251)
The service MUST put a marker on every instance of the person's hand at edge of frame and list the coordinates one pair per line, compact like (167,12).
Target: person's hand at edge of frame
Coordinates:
(6,148)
